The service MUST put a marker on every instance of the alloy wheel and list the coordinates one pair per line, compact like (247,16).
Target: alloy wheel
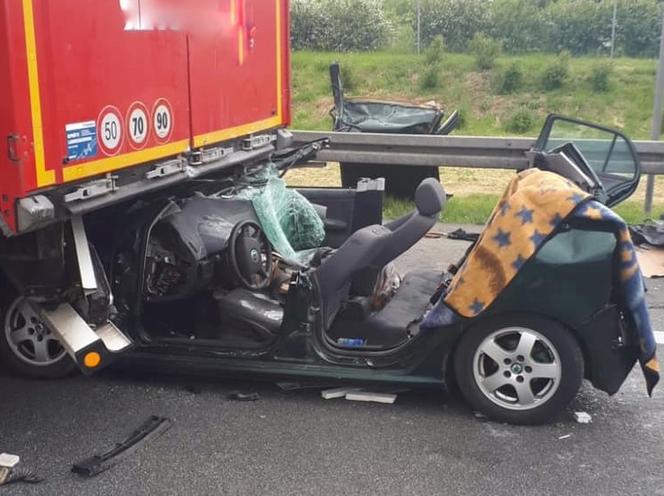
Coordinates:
(29,338)
(517,368)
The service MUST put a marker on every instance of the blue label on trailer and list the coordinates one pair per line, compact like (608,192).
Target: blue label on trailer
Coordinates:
(81,140)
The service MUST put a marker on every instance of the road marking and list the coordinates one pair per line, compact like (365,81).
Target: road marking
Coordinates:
(659,337)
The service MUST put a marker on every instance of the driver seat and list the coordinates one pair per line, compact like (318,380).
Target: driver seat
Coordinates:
(376,246)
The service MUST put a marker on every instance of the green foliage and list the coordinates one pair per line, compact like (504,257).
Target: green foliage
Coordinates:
(486,51)
(511,79)
(339,25)
(456,20)
(579,26)
(403,39)
(475,208)
(600,75)
(519,25)
(430,79)
(347,77)
(434,54)
(556,73)
(521,121)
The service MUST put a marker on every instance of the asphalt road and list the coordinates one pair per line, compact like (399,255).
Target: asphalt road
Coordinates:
(297,443)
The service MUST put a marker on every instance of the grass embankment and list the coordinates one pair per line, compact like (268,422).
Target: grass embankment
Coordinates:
(627,104)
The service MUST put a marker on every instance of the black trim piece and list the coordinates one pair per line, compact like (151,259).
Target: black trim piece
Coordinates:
(96,464)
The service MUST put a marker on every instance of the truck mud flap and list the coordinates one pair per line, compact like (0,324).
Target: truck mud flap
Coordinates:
(91,349)
(95,465)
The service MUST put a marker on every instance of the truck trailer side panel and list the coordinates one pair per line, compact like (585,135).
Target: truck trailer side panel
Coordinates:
(96,87)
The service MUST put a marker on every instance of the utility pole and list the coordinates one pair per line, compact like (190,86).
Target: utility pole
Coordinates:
(613,27)
(419,27)
(656,129)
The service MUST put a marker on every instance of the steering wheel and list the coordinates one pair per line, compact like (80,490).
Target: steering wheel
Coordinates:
(250,255)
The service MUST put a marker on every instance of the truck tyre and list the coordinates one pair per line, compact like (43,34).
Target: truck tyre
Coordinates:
(27,346)
(520,369)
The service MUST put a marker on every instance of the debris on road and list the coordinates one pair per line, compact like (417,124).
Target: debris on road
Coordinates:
(371,397)
(11,475)
(582,417)
(239,396)
(298,386)
(566,436)
(480,416)
(651,261)
(96,464)
(331,394)
(10,471)
(9,461)
(463,235)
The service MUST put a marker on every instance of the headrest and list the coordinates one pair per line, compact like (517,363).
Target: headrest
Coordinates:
(430,197)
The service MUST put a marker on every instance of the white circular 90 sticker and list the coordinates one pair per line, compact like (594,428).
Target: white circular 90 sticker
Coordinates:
(109,129)
(138,125)
(162,120)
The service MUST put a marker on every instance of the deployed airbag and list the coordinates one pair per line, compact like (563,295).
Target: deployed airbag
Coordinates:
(289,220)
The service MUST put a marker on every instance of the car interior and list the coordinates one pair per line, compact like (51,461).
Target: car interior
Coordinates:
(209,274)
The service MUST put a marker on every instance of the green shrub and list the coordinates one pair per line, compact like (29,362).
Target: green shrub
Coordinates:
(347,77)
(511,79)
(434,54)
(600,75)
(519,25)
(464,116)
(456,20)
(486,51)
(521,121)
(556,73)
(430,78)
(403,39)
(339,25)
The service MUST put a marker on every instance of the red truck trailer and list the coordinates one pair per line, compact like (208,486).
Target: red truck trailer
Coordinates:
(93,90)
(106,101)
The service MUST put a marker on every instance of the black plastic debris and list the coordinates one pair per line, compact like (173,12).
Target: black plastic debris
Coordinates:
(651,233)
(463,235)
(239,396)
(95,465)
(299,386)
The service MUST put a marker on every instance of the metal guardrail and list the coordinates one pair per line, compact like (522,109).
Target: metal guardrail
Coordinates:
(447,151)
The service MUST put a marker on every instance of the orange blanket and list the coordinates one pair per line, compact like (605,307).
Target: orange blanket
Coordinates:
(532,207)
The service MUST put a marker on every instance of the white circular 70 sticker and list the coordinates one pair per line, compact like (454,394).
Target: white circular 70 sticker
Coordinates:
(138,125)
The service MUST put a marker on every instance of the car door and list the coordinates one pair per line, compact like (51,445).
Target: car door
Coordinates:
(606,154)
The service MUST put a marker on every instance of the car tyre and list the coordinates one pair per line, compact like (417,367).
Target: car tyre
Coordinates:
(521,369)
(27,346)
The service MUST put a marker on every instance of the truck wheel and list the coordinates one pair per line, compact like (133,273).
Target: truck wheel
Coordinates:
(519,370)
(27,346)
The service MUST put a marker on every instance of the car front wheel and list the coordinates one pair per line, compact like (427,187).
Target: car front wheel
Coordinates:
(520,370)
(28,347)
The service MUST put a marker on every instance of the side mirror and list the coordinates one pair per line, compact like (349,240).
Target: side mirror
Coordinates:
(609,154)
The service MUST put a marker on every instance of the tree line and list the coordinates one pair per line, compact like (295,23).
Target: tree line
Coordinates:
(520,26)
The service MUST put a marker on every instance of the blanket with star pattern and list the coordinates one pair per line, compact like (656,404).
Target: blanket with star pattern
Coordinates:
(533,206)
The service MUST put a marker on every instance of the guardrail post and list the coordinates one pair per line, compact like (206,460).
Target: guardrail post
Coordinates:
(656,129)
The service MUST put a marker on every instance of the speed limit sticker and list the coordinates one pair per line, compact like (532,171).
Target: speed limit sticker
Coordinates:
(138,125)
(162,120)
(110,130)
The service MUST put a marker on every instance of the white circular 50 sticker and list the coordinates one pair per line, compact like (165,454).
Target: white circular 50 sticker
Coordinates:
(109,128)
(162,120)
(138,125)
